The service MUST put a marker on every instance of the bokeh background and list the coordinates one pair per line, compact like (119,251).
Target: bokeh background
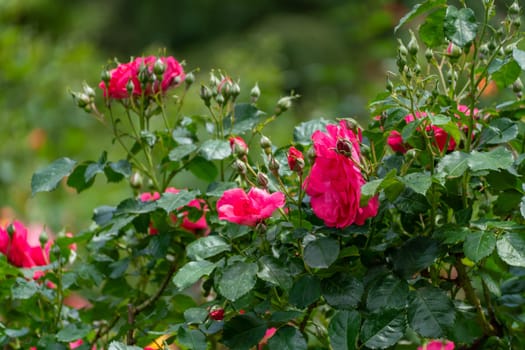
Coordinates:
(334,53)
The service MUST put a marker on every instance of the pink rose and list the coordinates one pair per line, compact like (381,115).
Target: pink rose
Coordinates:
(295,160)
(22,247)
(172,76)
(195,227)
(335,180)
(437,345)
(250,208)
(270,332)
(238,146)
(119,78)
(217,314)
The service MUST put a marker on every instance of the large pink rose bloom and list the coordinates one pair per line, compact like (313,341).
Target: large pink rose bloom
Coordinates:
(22,247)
(437,345)
(172,76)
(335,180)
(250,208)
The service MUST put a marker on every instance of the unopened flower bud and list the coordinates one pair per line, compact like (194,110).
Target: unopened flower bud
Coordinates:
(217,314)
(413,46)
(159,67)
(417,68)
(311,155)
(514,9)
(136,180)
(81,99)
(255,93)
(130,87)
(273,165)
(239,166)
(238,146)
(429,54)
(407,72)
(214,81)
(517,86)
(284,104)
(190,79)
(262,180)
(220,99)
(453,51)
(206,95)
(177,80)
(11,230)
(144,74)
(43,238)
(236,90)
(265,142)
(105,75)
(344,147)
(88,90)
(295,160)
(402,49)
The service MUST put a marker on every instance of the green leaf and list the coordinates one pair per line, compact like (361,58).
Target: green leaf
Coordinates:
(148,137)
(271,270)
(460,26)
(215,149)
(246,117)
(305,291)
(24,289)
(116,171)
(418,10)
(479,244)
(498,158)
(195,315)
(343,330)
(430,312)
(216,189)
(511,248)
(192,338)
(206,247)
(342,291)
(48,178)
(387,291)
(119,267)
(418,182)
(170,202)
(14,333)
(243,332)
(192,272)
(321,253)
(504,72)
(383,329)
(77,179)
(519,57)
(454,164)
(203,169)
(287,338)
(71,333)
(237,280)
(431,32)
(302,133)
(181,151)
(500,130)
(135,206)
(415,255)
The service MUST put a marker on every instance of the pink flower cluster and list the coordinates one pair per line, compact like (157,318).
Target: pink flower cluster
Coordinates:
(437,345)
(117,87)
(441,138)
(196,227)
(250,208)
(335,180)
(22,247)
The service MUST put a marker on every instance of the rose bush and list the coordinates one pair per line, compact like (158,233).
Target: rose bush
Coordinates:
(335,240)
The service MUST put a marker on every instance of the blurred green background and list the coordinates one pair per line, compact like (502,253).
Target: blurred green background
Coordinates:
(334,53)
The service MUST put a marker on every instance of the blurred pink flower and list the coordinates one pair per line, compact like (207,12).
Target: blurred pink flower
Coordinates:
(437,345)
(295,160)
(250,208)
(335,180)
